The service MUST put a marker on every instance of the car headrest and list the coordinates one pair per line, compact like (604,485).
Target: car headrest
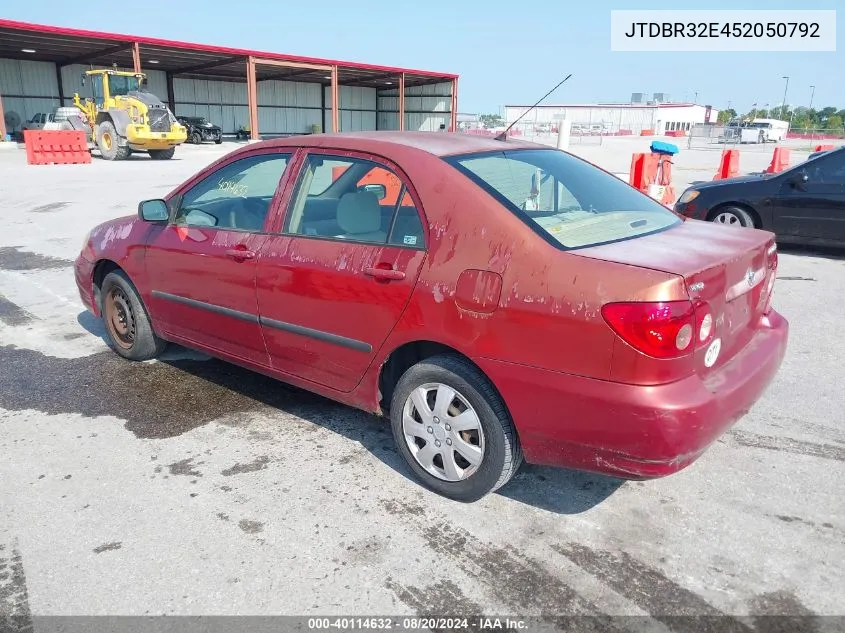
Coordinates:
(359,212)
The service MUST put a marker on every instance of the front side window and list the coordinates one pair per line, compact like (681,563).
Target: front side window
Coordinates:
(353,199)
(236,197)
(569,202)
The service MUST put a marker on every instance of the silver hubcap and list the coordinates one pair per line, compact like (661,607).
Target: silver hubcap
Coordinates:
(727,218)
(443,432)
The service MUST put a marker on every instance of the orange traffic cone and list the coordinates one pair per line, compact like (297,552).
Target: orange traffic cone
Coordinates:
(780,160)
(729,167)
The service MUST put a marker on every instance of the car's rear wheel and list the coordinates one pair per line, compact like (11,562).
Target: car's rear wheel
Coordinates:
(196,138)
(453,429)
(125,318)
(732,216)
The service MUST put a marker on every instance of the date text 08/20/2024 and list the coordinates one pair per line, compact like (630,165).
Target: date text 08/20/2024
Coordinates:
(418,623)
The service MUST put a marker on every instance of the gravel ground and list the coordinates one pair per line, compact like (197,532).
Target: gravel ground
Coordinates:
(187,486)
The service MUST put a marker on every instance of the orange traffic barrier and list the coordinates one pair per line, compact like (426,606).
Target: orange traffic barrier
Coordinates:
(643,170)
(647,133)
(729,167)
(676,133)
(780,160)
(664,180)
(56,147)
(824,148)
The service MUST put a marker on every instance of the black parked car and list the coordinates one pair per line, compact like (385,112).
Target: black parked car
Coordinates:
(804,204)
(201,129)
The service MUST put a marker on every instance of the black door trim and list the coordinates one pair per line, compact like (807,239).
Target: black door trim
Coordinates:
(320,335)
(328,337)
(235,314)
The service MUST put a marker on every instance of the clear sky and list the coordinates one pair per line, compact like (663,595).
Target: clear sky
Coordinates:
(505,52)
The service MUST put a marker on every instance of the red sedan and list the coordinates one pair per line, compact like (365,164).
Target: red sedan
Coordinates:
(498,300)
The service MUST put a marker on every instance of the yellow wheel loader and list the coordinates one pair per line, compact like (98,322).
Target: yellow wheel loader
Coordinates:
(121,117)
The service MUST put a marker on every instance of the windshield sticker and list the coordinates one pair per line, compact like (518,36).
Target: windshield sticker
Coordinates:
(410,240)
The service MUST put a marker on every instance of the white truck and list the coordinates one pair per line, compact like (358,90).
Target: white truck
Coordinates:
(775,129)
(42,121)
(55,120)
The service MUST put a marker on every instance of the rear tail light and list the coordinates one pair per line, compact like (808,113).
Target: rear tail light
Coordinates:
(658,329)
(667,329)
(704,321)
(772,255)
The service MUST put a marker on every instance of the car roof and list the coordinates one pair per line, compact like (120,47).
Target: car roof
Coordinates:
(436,143)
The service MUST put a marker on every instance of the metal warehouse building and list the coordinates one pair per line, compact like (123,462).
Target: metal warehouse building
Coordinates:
(273,94)
(612,118)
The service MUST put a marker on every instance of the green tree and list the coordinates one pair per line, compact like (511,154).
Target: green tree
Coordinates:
(726,115)
(827,112)
(491,120)
(834,122)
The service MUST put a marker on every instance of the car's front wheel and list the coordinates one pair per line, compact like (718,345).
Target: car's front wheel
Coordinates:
(453,429)
(732,216)
(127,324)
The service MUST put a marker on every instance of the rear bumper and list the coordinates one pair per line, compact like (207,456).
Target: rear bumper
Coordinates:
(632,431)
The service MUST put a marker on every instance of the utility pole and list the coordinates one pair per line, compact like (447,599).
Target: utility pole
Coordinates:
(785,88)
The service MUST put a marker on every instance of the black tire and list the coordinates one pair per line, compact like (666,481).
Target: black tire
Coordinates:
(162,154)
(107,143)
(502,455)
(218,140)
(196,138)
(741,216)
(126,320)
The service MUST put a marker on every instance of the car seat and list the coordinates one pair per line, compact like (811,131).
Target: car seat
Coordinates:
(359,217)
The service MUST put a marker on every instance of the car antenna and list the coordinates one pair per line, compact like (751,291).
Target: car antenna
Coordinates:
(504,135)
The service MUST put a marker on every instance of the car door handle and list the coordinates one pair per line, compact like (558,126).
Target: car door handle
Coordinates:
(236,253)
(384,273)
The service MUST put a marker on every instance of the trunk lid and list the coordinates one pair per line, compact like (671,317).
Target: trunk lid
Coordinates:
(731,269)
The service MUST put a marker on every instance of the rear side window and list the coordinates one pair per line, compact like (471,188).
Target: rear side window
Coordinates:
(569,202)
(354,199)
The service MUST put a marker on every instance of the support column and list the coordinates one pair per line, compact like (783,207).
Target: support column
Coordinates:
(60,85)
(322,108)
(402,102)
(2,121)
(171,96)
(252,98)
(136,57)
(335,101)
(453,125)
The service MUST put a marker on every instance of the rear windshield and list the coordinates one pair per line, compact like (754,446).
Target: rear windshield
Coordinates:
(568,201)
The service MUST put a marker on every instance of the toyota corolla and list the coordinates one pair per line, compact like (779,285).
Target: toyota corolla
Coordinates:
(499,301)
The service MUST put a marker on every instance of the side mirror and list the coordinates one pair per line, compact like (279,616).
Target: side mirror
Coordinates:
(380,191)
(153,211)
